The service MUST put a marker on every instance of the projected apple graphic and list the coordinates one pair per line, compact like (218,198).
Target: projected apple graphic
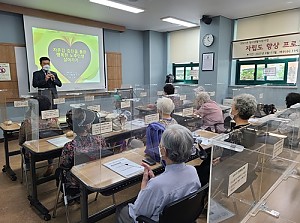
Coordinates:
(70,59)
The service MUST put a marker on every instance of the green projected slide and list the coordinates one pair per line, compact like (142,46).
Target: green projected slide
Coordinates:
(74,57)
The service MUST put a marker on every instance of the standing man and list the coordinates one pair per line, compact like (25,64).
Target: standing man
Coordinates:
(46,79)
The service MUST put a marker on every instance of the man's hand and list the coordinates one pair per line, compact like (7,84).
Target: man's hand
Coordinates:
(148,174)
(52,77)
(48,76)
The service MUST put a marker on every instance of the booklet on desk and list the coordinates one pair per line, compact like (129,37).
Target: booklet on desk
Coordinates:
(124,167)
(59,142)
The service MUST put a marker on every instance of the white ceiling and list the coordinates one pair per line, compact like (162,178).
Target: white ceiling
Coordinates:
(189,10)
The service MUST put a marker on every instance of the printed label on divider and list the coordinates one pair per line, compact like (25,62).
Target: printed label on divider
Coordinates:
(101,128)
(96,108)
(58,101)
(89,98)
(183,97)
(237,179)
(187,112)
(50,114)
(160,93)
(151,118)
(143,94)
(20,104)
(212,93)
(125,104)
(278,148)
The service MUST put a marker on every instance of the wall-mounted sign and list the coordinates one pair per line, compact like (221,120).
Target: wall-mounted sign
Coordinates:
(5,72)
(281,45)
(269,71)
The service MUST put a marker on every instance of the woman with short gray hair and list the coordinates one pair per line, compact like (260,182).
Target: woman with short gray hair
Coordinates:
(165,107)
(242,109)
(178,179)
(210,113)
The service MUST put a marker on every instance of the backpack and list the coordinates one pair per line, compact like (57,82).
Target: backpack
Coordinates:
(154,132)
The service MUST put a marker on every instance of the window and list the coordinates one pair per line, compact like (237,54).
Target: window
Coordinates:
(275,70)
(186,73)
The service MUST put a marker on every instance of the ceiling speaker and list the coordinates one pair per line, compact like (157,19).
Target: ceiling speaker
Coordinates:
(206,19)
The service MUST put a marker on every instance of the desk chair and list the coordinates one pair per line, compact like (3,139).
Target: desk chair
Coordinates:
(42,134)
(184,210)
(61,177)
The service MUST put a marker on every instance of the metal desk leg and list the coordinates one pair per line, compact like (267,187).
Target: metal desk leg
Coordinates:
(6,167)
(84,204)
(33,197)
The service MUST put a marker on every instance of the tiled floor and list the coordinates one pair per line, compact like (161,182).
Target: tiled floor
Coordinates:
(15,208)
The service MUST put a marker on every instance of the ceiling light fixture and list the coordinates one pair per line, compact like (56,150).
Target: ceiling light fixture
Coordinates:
(178,22)
(117,5)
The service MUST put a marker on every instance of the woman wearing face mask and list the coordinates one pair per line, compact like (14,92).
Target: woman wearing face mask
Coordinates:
(158,191)
(242,109)
(46,79)
(83,148)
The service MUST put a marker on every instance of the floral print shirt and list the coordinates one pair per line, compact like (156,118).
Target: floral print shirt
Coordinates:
(80,150)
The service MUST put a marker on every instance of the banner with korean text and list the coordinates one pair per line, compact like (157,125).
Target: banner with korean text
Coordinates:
(281,45)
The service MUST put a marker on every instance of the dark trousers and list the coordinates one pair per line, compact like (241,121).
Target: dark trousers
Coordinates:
(122,215)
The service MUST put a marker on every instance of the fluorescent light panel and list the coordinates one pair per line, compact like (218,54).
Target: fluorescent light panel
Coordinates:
(178,22)
(117,5)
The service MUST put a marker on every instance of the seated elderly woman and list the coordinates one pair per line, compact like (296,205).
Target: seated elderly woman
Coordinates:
(25,133)
(242,109)
(210,112)
(83,148)
(165,107)
(156,192)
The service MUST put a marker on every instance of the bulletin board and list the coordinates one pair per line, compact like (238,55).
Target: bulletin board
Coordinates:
(7,55)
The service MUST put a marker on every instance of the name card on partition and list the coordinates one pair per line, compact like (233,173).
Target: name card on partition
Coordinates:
(261,95)
(125,104)
(96,108)
(187,111)
(101,128)
(20,104)
(183,97)
(50,114)
(278,148)
(58,101)
(151,118)
(89,98)
(237,179)
(212,93)
(160,93)
(143,94)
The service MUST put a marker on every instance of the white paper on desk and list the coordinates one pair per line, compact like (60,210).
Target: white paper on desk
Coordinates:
(138,122)
(124,167)
(187,112)
(59,142)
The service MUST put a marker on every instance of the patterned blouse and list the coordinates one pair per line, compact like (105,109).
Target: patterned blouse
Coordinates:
(80,150)
(167,121)
(25,133)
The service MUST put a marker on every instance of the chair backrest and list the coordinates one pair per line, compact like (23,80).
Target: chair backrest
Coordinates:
(184,210)
(154,132)
(50,133)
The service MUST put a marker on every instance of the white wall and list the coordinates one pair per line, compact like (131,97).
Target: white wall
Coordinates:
(184,46)
(268,25)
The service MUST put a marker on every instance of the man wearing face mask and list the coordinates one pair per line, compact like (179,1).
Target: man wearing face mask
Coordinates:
(46,79)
